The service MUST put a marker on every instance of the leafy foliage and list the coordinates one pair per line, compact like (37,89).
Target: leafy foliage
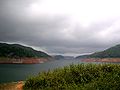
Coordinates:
(77,77)
(18,51)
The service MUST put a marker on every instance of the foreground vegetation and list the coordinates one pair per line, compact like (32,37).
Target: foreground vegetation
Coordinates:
(77,77)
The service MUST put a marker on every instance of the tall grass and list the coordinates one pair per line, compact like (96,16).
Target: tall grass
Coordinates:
(77,77)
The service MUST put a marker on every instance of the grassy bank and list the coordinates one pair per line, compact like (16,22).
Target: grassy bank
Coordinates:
(77,77)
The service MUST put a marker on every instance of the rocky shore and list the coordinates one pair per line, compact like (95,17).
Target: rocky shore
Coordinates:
(114,60)
(23,60)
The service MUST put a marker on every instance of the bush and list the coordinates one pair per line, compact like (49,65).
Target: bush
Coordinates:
(77,77)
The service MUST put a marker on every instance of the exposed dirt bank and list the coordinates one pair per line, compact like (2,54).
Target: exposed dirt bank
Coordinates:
(102,60)
(23,60)
(12,86)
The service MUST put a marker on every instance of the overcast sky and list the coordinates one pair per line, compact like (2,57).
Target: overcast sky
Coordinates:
(69,27)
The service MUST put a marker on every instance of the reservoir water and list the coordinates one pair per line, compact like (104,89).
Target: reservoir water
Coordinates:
(16,72)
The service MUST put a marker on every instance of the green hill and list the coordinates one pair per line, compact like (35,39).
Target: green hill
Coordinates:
(19,51)
(113,52)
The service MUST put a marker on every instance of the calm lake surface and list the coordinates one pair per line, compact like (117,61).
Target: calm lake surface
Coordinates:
(15,72)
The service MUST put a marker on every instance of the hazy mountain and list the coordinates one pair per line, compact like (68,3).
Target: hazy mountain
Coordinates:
(58,57)
(82,56)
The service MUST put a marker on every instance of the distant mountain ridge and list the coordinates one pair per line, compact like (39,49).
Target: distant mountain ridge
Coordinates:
(19,51)
(82,57)
(113,52)
(61,57)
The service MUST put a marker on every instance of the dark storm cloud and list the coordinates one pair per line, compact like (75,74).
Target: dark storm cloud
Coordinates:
(55,34)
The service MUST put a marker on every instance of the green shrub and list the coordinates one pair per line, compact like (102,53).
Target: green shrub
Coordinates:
(77,77)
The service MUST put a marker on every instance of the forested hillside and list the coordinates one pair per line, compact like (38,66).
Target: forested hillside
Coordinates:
(19,51)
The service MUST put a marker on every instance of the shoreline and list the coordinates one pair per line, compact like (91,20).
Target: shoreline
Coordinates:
(12,85)
(23,60)
(108,60)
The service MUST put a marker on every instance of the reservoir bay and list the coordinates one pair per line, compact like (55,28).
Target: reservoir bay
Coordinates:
(17,72)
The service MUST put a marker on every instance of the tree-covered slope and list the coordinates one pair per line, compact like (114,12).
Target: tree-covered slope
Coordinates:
(19,51)
(113,52)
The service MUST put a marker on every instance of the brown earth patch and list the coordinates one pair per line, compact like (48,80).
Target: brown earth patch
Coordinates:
(115,60)
(12,86)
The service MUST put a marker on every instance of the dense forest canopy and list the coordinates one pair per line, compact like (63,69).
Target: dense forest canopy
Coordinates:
(18,51)
(113,52)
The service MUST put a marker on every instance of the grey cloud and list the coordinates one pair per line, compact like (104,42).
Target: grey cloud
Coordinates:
(54,34)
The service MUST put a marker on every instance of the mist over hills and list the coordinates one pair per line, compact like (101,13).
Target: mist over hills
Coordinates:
(19,51)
